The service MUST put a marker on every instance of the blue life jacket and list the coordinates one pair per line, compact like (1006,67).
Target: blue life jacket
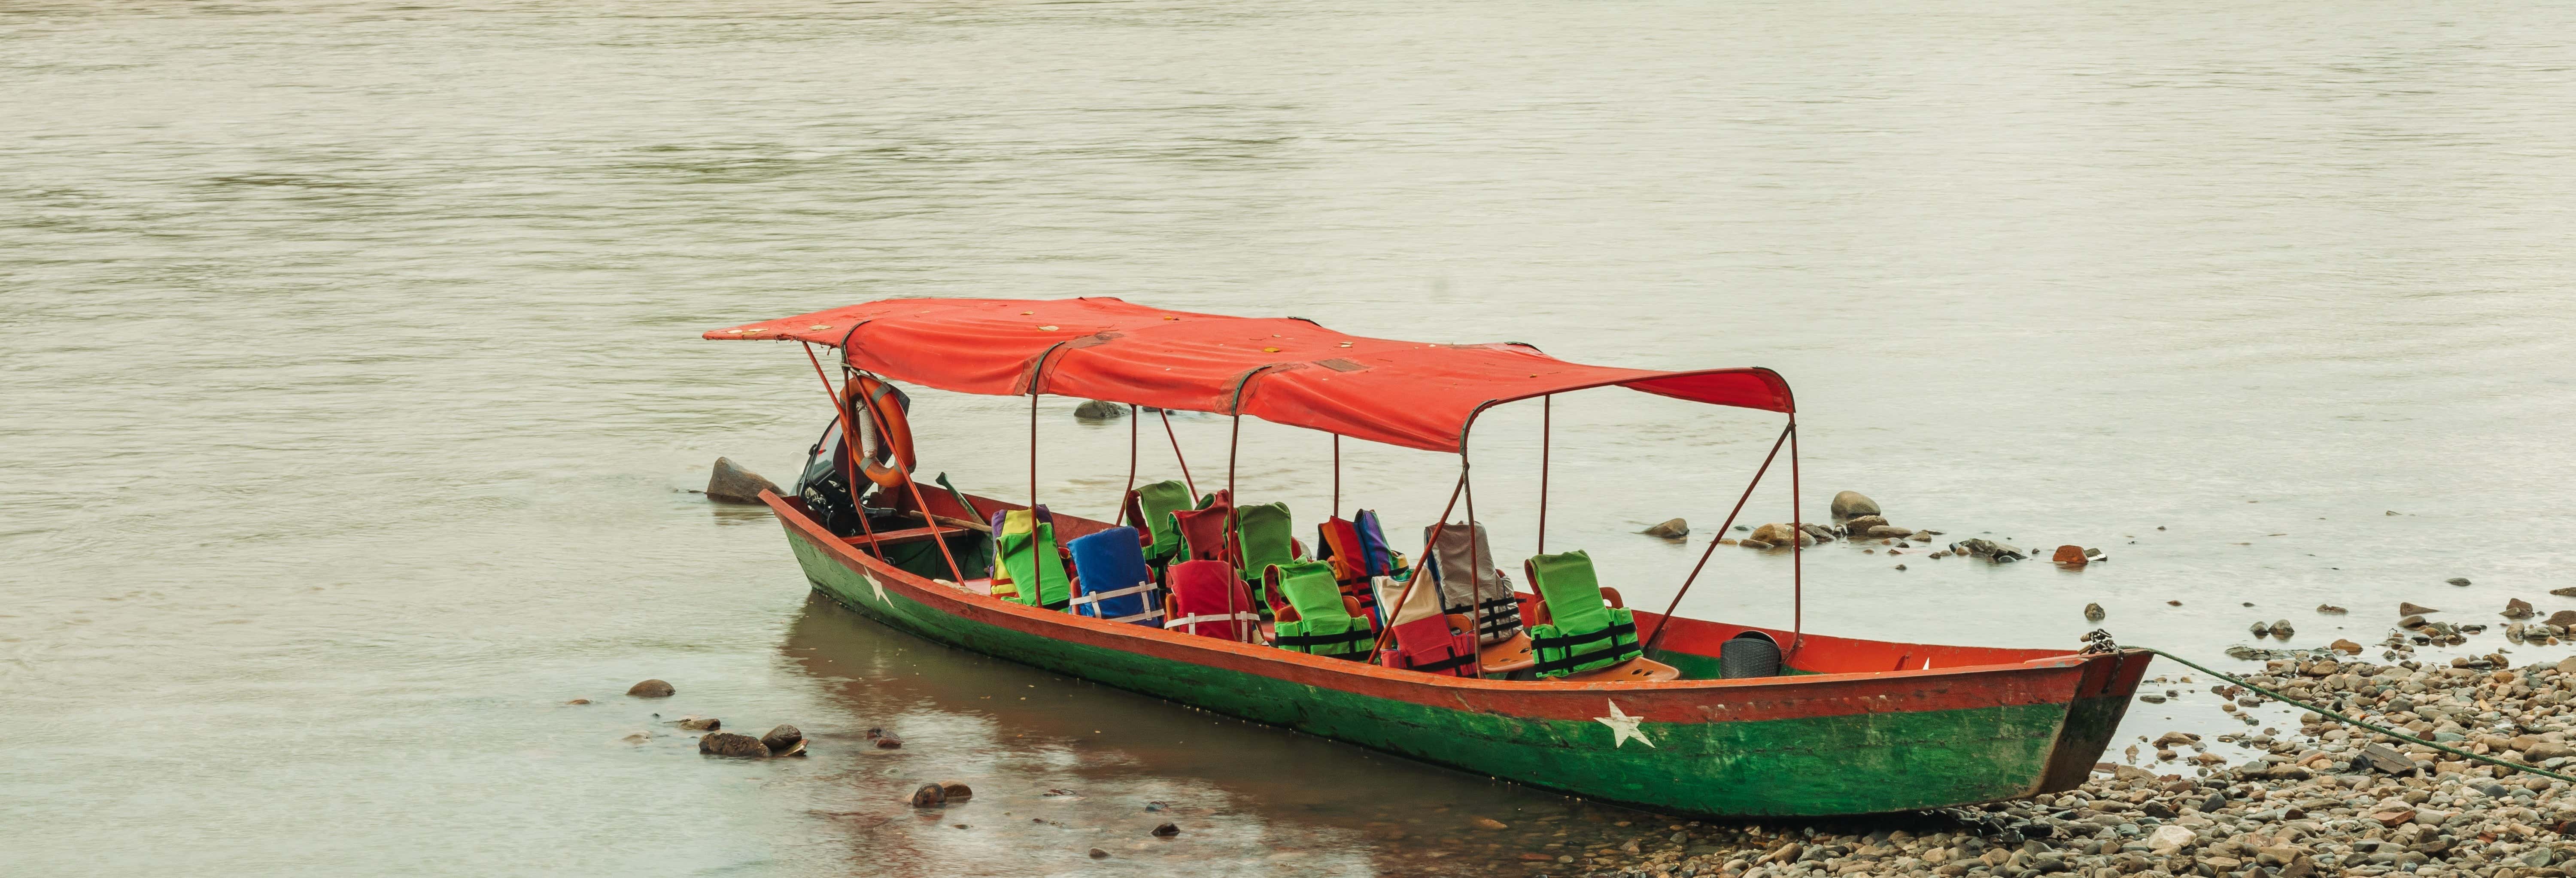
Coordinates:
(1111,580)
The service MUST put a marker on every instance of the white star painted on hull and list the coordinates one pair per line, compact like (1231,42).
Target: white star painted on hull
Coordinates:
(879,586)
(1623,727)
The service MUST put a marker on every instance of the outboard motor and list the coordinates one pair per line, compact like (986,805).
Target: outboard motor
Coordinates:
(825,484)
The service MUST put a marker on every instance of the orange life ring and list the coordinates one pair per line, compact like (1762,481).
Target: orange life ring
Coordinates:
(888,459)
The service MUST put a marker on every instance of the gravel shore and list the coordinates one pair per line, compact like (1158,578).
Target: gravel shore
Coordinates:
(2325,799)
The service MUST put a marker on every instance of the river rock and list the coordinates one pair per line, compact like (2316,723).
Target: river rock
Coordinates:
(731,744)
(1853,504)
(1673,529)
(956,792)
(2094,612)
(2408,608)
(1987,549)
(730,483)
(2282,629)
(2331,610)
(2345,646)
(1166,830)
(889,742)
(2517,608)
(2562,618)
(781,737)
(1888,532)
(2411,622)
(1753,544)
(1821,533)
(696,723)
(1860,525)
(1099,410)
(651,689)
(930,795)
(2070,555)
(2568,592)
(1099,854)
(2168,838)
(2458,580)
(1777,534)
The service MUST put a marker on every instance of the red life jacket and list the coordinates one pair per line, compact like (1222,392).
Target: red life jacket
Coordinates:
(1427,641)
(1207,600)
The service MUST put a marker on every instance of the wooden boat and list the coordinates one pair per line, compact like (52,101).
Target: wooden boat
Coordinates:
(1848,727)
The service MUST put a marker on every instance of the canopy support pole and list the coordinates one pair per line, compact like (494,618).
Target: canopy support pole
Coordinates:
(849,451)
(1797,556)
(1337,475)
(1176,455)
(1714,540)
(1415,577)
(1234,511)
(1135,432)
(1033,452)
(1546,415)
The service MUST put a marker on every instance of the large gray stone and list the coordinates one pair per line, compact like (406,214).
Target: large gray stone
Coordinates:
(731,744)
(1099,410)
(650,689)
(1853,504)
(730,483)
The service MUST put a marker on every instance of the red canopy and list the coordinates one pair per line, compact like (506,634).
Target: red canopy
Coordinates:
(1284,370)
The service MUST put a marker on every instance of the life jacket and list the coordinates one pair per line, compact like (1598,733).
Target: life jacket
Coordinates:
(1583,631)
(1150,508)
(1339,542)
(1207,600)
(1265,538)
(1382,559)
(1470,586)
(1112,580)
(1324,624)
(1203,531)
(1427,640)
(1025,541)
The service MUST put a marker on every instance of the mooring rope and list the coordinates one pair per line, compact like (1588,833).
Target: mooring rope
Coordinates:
(2102,640)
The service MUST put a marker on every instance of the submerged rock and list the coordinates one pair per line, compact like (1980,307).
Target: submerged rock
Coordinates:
(929,796)
(730,483)
(2071,555)
(731,744)
(781,737)
(1860,525)
(1987,549)
(696,723)
(1673,529)
(2517,608)
(1777,534)
(2282,629)
(2331,610)
(1166,830)
(2408,608)
(1099,410)
(2458,580)
(1848,505)
(956,792)
(651,689)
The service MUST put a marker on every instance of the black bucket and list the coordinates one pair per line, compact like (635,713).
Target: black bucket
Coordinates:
(1750,654)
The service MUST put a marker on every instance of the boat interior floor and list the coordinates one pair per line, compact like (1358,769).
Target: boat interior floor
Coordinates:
(1635,670)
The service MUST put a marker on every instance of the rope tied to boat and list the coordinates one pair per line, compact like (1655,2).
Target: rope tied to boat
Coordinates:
(2099,641)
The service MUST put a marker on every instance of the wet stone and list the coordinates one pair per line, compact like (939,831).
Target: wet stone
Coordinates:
(651,689)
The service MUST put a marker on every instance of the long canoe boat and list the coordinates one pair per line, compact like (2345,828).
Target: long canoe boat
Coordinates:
(1841,726)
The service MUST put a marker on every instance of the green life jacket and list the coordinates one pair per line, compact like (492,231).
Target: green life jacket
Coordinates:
(1027,546)
(1584,632)
(1267,539)
(1323,626)
(1155,504)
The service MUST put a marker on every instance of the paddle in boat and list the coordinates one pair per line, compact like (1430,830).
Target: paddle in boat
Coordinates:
(1428,650)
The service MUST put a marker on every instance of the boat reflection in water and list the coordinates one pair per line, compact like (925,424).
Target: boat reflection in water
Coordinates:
(1247,797)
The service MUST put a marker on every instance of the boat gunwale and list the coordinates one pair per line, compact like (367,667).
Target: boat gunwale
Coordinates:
(924,590)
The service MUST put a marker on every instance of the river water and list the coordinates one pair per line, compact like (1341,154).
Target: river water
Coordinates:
(353,392)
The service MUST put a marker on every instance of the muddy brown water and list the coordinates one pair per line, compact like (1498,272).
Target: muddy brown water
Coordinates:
(350,388)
